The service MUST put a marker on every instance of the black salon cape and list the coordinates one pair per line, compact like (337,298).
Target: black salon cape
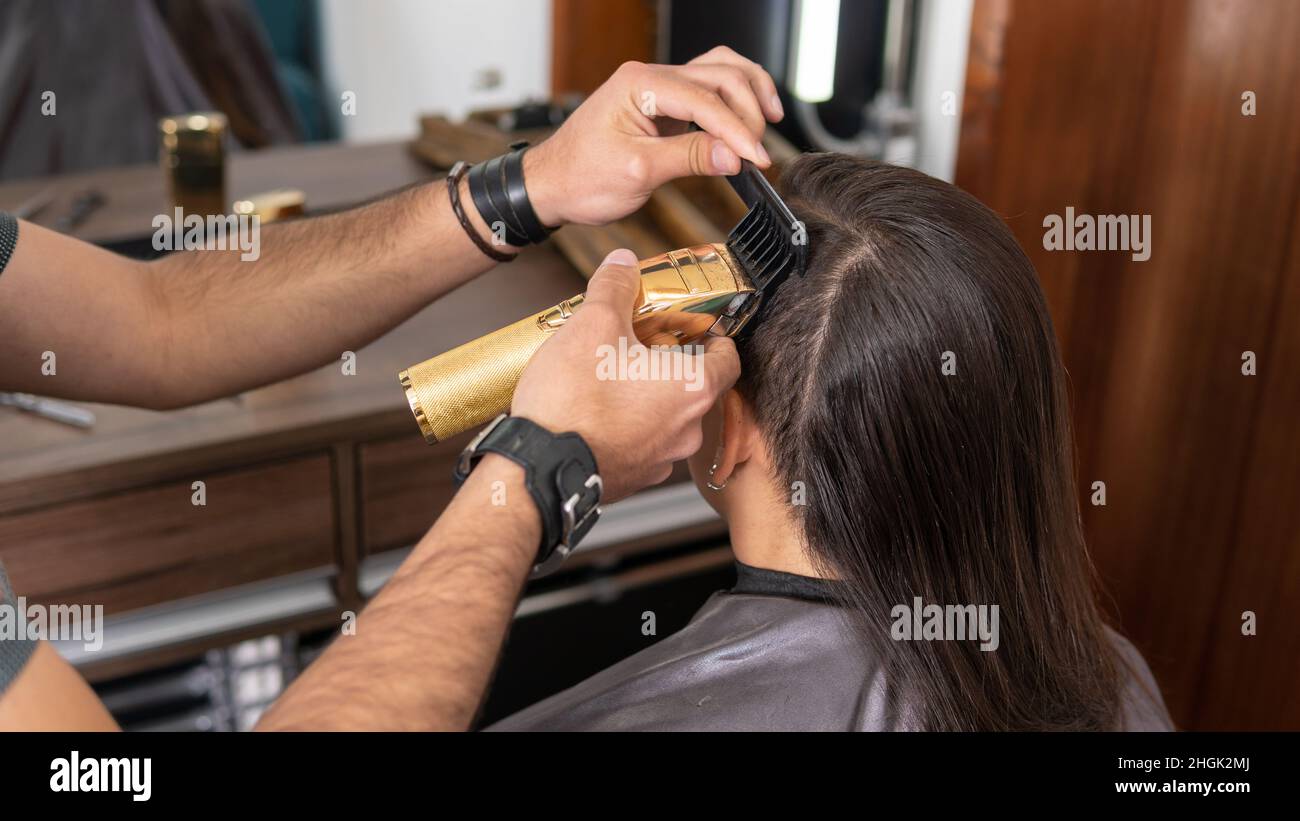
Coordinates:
(773,653)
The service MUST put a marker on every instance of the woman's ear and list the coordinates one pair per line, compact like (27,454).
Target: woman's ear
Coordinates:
(736,441)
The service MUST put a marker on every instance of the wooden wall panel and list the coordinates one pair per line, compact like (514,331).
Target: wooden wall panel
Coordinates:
(1135,108)
(592,38)
(1253,682)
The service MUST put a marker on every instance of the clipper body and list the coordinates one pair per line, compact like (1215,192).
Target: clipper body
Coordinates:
(685,294)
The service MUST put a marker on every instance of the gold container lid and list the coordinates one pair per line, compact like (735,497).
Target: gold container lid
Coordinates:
(202,131)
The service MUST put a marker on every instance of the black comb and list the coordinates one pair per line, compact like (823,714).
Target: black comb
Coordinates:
(769,242)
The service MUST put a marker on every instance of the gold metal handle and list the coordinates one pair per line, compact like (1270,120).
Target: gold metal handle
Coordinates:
(682,294)
(470,385)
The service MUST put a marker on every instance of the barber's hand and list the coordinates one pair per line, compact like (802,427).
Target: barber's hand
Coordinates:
(636,428)
(629,137)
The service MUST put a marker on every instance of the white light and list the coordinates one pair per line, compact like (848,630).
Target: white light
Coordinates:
(817,28)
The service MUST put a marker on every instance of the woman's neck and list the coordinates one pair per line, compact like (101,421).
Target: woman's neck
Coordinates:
(763,530)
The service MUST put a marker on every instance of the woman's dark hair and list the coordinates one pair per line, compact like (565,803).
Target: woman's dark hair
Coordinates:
(955,484)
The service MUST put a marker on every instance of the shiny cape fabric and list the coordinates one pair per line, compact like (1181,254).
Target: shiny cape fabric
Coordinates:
(750,661)
(15,651)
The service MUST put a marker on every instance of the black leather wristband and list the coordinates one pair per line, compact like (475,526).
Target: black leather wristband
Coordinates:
(517,194)
(560,473)
(487,187)
(501,197)
(494,174)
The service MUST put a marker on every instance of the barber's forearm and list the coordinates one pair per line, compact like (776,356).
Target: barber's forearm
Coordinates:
(425,648)
(201,324)
(320,287)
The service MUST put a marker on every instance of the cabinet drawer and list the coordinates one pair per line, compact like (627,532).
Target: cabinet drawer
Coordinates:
(405,484)
(150,545)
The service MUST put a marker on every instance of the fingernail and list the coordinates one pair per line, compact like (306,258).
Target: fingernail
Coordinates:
(761,153)
(724,159)
(777,107)
(620,256)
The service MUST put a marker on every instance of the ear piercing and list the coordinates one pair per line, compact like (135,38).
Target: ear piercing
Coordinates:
(717,454)
(710,482)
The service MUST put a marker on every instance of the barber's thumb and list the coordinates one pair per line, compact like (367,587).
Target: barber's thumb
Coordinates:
(616,283)
(693,154)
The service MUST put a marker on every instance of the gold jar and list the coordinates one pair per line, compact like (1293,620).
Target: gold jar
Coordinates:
(194,161)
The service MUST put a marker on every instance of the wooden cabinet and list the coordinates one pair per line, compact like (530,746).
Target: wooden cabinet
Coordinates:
(404,486)
(150,545)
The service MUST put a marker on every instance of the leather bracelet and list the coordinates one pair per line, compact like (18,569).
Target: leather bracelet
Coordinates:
(494,176)
(453,193)
(498,189)
(478,191)
(517,196)
(560,474)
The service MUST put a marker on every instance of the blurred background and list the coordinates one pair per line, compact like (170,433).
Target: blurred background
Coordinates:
(1183,367)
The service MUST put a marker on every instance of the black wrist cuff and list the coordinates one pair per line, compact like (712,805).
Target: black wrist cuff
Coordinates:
(501,197)
(560,473)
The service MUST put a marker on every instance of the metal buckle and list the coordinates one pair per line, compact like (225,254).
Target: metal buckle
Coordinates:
(465,463)
(571,523)
(570,508)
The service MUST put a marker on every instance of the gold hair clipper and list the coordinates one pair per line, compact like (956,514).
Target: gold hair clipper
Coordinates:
(685,294)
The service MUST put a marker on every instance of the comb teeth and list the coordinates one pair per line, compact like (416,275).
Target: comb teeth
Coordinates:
(765,246)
